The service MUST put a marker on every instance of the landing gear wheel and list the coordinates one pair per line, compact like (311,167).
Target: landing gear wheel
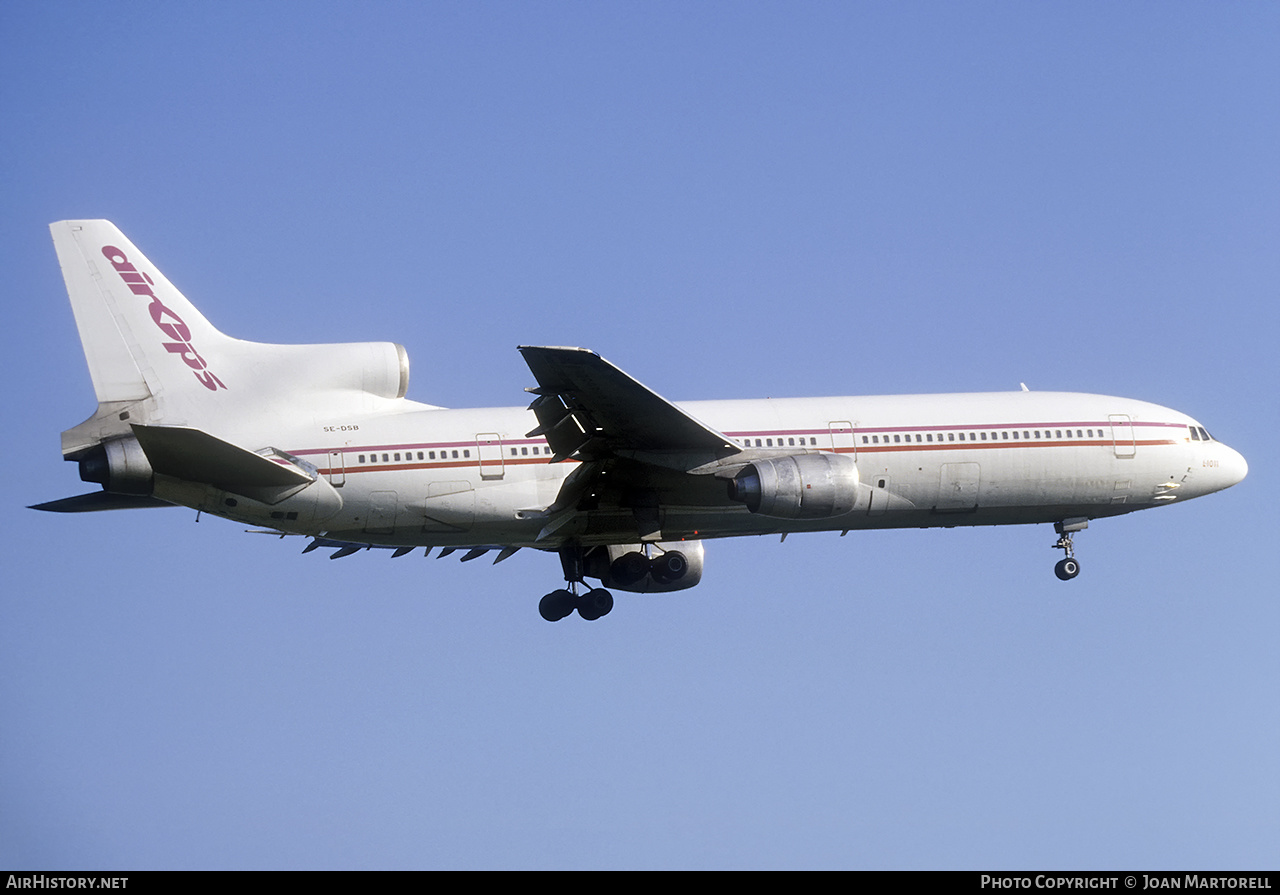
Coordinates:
(556,605)
(1066,569)
(595,603)
(668,567)
(629,568)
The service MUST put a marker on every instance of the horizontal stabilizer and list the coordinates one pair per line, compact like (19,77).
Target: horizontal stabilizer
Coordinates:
(195,456)
(98,501)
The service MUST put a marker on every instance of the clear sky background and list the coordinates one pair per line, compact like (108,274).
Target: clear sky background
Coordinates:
(727,200)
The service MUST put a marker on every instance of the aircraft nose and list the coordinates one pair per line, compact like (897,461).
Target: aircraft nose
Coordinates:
(1234,467)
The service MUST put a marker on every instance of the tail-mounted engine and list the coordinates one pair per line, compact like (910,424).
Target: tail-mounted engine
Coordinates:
(803,486)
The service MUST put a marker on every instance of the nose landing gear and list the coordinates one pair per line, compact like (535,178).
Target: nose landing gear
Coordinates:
(1069,567)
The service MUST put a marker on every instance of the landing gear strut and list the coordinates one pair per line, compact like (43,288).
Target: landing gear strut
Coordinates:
(1069,567)
(591,603)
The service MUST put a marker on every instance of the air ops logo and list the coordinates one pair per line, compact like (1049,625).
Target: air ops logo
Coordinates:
(166,320)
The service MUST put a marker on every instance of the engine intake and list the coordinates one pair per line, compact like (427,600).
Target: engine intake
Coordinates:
(803,486)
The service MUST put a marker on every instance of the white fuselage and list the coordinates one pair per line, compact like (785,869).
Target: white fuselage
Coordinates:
(430,476)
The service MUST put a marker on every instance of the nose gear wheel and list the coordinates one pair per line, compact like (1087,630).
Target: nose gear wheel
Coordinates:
(1068,567)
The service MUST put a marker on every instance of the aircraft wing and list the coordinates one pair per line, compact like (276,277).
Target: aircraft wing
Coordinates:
(588,409)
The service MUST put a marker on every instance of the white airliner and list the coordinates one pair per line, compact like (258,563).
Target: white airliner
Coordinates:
(320,441)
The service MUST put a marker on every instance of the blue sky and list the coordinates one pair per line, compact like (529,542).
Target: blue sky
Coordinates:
(727,200)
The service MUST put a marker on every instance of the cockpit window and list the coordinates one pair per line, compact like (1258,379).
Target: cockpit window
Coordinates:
(1195,436)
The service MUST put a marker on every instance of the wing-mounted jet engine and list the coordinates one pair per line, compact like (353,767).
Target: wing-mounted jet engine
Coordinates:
(801,486)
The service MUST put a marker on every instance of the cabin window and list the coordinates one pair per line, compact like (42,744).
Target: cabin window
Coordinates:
(984,436)
(897,439)
(951,436)
(865,440)
(384,458)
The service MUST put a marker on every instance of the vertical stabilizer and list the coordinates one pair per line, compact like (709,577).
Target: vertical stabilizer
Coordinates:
(152,356)
(141,336)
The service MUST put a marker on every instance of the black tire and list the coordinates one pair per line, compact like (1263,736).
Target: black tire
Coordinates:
(1066,569)
(668,567)
(555,605)
(595,604)
(629,568)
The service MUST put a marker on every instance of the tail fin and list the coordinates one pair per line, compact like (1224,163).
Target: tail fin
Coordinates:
(140,334)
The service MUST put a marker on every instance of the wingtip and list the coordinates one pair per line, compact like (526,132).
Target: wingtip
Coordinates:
(523,348)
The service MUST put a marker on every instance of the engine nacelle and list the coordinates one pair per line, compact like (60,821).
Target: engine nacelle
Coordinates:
(802,486)
(119,466)
(673,565)
(377,368)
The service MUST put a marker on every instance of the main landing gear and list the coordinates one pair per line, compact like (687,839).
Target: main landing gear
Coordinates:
(591,603)
(1069,567)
